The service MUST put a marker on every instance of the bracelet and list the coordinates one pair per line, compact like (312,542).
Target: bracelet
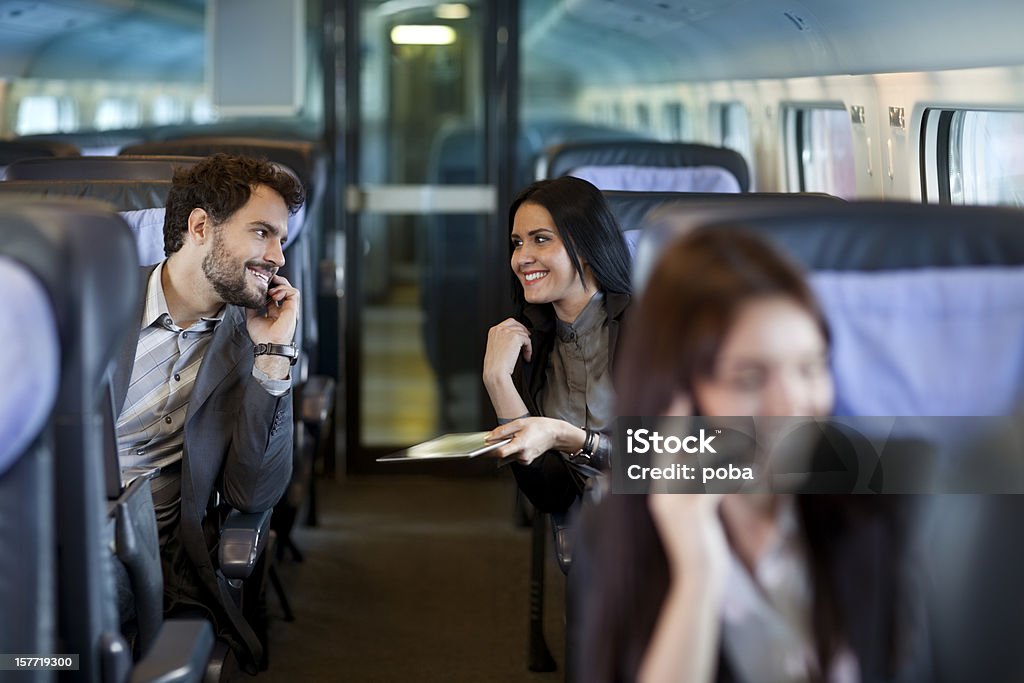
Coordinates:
(586,452)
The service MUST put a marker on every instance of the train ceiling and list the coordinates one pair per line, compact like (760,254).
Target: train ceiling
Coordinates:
(628,41)
(160,40)
(603,41)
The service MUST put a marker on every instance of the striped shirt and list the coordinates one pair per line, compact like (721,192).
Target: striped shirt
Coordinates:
(150,429)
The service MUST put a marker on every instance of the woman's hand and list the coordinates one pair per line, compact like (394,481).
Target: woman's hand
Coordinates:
(684,644)
(691,531)
(532,436)
(505,341)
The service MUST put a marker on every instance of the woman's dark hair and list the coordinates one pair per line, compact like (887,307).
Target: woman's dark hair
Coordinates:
(220,185)
(586,226)
(674,334)
(689,305)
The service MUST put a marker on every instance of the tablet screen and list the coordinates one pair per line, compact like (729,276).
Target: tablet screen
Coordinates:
(447,446)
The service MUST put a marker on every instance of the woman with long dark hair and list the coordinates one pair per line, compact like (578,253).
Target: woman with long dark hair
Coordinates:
(752,587)
(547,370)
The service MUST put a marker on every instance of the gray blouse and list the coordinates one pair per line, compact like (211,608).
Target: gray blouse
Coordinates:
(578,382)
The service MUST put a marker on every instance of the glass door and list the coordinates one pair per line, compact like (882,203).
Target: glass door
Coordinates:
(423,241)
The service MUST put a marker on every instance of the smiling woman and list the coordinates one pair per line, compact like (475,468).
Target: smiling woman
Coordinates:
(547,370)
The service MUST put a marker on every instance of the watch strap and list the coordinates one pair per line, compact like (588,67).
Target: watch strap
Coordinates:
(289,351)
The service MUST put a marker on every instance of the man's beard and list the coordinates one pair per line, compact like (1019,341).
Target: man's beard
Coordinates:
(231,281)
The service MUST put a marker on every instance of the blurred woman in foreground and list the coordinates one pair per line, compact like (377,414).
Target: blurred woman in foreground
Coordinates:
(751,587)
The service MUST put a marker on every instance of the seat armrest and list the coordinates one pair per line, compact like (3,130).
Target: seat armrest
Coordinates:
(179,654)
(243,537)
(317,397)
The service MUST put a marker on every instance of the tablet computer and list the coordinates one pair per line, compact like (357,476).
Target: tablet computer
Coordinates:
(446,447)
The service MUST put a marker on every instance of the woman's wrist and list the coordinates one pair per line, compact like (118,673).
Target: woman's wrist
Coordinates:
(497,380)
(571,438)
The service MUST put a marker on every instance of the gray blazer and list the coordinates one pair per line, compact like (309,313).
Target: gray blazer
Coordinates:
(238,437)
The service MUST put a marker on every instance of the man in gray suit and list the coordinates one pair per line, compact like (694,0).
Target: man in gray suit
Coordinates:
(203,393)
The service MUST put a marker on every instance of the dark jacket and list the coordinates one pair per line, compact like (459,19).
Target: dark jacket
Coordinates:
(550,484)
(238,440)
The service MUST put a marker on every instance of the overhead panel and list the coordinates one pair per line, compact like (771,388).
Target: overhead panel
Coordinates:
(257,56)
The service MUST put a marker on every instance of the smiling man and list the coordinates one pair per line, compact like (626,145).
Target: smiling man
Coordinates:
(203,392)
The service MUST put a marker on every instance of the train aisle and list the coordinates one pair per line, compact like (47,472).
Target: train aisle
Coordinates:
(412,578)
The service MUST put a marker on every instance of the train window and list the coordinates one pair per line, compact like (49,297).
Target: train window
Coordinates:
(820,144)
(673,117)
(733,127)
(168,109)
(117,112)
(986,157)
(45,114)
(202,111)
(617,118)
(643,117)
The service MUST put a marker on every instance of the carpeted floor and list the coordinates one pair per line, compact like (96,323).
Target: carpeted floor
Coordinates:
(412,579)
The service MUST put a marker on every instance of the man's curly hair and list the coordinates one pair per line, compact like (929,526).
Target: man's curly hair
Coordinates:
(221,185)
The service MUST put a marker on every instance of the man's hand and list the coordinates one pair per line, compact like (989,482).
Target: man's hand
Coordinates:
(275,326)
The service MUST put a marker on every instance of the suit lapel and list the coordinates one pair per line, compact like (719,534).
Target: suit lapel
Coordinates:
(225,352)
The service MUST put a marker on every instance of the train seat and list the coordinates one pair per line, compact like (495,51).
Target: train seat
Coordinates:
(98,168)
(301,156)
(277,128)
(103,143)
(28,586)
(83,255)
(925,302)
(14,150)
(141,204)
(648,166)
(635,211)
(136,185)
(33,365)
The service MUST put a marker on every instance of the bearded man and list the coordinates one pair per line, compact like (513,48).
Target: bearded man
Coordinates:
(203,393)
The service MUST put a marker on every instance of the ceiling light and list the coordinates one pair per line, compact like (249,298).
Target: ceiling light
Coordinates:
(452,10)
(410,34)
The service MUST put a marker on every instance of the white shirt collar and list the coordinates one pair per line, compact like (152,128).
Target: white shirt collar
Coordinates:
(156,302)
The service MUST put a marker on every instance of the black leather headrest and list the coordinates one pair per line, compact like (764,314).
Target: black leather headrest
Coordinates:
(300,156)
(634,210)
(124,195)
(562,159)
(13,150)
(99,168)
(84,255)
(895,235)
